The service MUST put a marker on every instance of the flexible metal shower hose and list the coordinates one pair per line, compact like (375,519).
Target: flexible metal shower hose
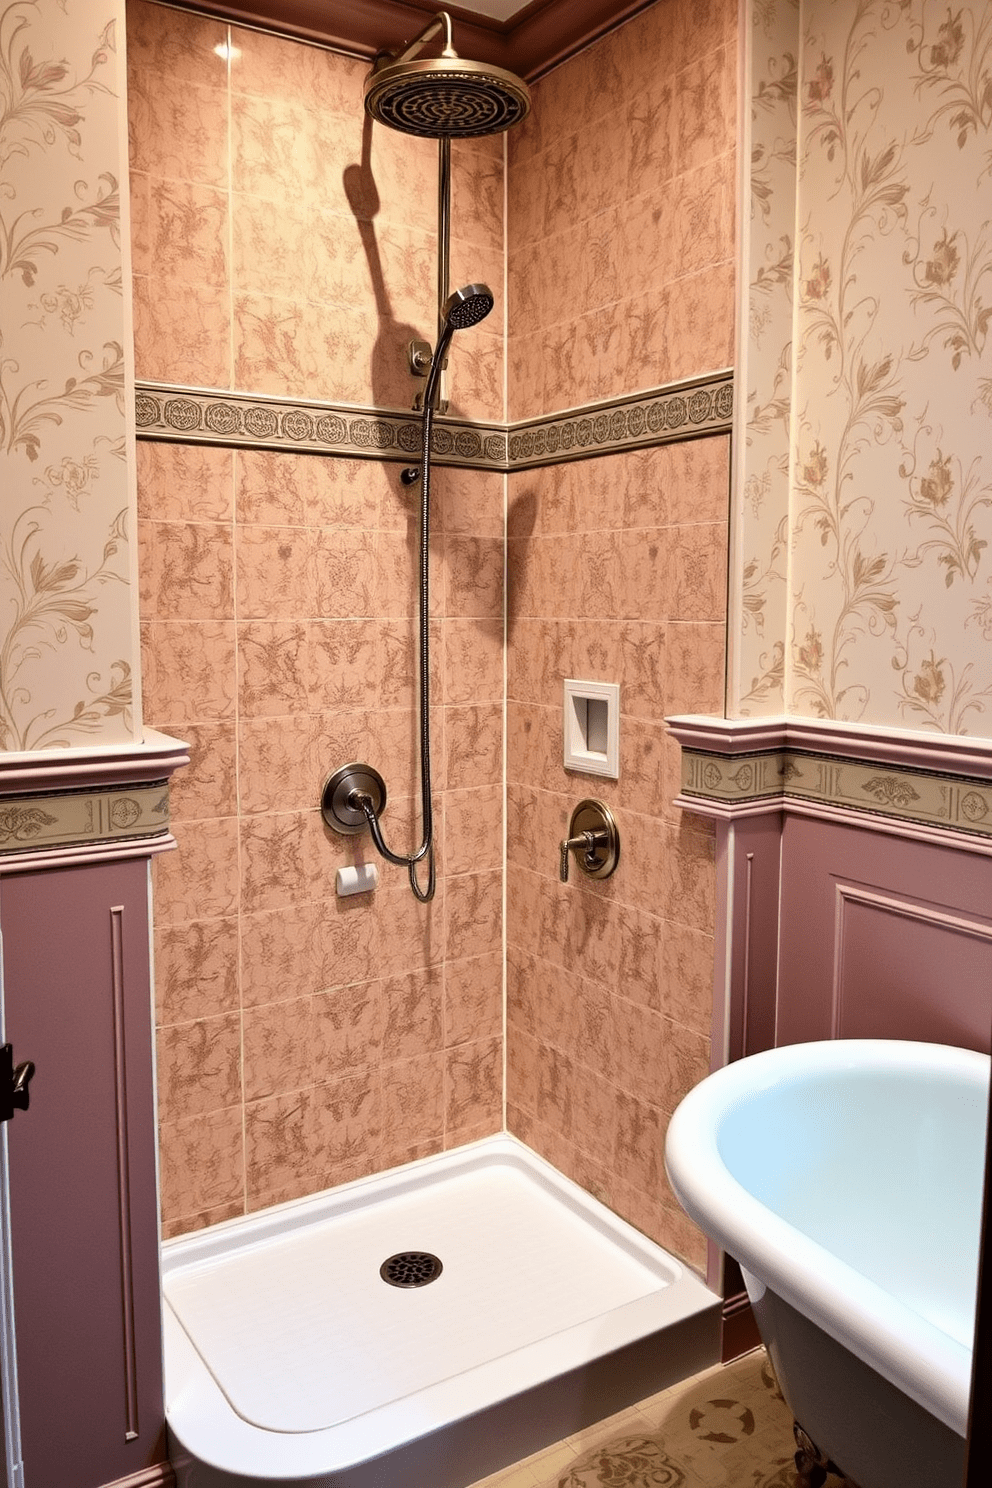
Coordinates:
(426,848)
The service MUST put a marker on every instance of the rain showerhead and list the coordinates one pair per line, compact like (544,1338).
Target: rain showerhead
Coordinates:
(444,97)
(467,306)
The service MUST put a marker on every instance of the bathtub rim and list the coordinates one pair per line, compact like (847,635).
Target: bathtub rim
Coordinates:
(932,1368)
(206,1427)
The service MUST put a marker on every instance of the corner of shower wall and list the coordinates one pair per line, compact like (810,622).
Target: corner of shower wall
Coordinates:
(617,572)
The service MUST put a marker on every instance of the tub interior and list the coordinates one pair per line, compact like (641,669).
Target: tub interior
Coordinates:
(883,1168)
(288,1356)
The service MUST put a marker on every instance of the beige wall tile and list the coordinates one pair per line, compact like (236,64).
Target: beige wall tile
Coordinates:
(184,483)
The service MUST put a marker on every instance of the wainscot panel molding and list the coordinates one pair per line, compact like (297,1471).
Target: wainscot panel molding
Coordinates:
(684,410)
(77,805)
(160,1476)
(854,880)
(83,1201)
(928,786)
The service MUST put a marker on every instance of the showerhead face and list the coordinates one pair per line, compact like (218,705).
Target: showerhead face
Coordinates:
(467,306)
(446,98)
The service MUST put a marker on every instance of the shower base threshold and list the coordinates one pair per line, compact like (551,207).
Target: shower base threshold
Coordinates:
(534,1312)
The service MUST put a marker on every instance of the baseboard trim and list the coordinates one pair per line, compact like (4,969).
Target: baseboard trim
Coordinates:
(739,1331)
(159,1476)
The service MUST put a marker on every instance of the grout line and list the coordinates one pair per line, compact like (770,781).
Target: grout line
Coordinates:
(506,628)
(233,477)
(230,203)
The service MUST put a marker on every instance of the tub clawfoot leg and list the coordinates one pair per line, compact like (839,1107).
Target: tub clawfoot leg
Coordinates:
(812,1465)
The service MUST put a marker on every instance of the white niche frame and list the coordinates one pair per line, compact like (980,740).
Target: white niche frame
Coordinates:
(591,727)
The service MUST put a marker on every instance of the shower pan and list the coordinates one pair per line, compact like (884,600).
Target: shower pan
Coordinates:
(525,1311)
(440,98)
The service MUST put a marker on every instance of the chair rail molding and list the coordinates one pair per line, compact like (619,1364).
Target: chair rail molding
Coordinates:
(70,806)
(931,787)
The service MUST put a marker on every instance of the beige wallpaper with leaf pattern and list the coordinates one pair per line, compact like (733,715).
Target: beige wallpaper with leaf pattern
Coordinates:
(764,371)
(67,627)
(886,557)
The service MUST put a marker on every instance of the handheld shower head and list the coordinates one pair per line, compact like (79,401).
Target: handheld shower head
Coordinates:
(467,306)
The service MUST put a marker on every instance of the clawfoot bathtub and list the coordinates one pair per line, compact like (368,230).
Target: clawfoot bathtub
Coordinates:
(846,1178)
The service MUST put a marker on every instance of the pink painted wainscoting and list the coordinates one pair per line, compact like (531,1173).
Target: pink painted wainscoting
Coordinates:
(854,880)
(78,830)
(854,893)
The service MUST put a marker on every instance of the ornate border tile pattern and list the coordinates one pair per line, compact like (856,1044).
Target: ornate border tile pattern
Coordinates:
(685,411)
(197,416)
(735,766)
(194,415)
(964,804)
(65,819)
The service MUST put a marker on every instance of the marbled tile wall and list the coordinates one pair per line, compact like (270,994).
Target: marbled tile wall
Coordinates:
(617,573)
(621,277)
(304,1039)
(621,205)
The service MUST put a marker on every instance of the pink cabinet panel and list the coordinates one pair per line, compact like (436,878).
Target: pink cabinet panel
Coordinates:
(882,936)
(82,1173)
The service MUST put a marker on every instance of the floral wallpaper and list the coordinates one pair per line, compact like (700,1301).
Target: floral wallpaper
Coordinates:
(757,650)
(891,590)
(67,632)
(885,542)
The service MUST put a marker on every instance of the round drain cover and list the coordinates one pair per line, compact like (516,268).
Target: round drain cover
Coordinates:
(411,1268)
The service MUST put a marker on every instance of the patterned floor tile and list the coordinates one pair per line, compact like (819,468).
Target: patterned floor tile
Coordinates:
(725,1428)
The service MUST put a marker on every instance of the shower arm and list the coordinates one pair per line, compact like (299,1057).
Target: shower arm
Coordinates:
(442,21)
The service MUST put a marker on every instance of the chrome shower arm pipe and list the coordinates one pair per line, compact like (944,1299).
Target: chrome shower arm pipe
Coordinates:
(442,21)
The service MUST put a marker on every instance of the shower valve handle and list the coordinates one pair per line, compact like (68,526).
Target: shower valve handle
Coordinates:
(589,841)
(592,833)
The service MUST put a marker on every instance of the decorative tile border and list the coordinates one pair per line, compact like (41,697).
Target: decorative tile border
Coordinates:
(685,411)
(66,819)
(948,785)
(908,795)
(194,415)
